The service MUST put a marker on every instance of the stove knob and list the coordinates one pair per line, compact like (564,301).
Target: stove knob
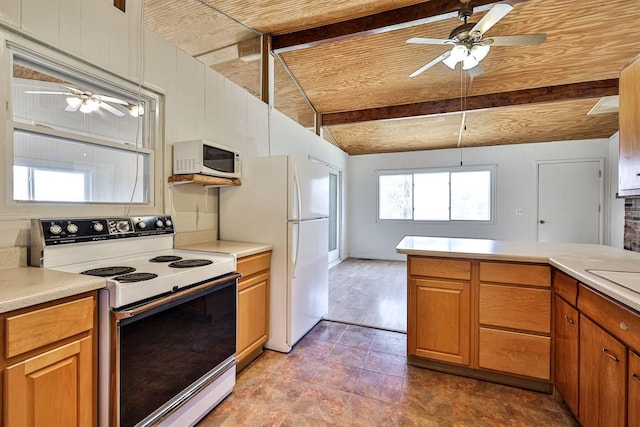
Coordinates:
(72,228)
(98,227)
(55,229)
(159,223)
(169,223)
(141,225)
(123,226)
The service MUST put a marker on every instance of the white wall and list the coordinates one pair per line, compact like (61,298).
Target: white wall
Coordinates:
(198,102)
(516,189)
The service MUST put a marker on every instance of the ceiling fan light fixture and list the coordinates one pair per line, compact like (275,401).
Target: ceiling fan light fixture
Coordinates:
(89,105)
(459,53)
(480,51)
(450,62)
(86,108)
(136,110)
(73,102)
(469,62)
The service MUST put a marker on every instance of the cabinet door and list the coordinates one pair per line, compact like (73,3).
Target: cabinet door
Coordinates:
(52,389)
(603,372)
(629,156)
(634,390)
(253,316)
(439,320)
(566,358)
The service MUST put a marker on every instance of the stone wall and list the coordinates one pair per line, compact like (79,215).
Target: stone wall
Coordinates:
(632,224)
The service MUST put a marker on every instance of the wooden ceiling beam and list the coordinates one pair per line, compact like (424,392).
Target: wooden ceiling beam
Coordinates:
(404,17)
(567,92)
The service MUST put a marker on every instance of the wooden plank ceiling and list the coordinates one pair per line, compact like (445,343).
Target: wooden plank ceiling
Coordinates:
(356,82)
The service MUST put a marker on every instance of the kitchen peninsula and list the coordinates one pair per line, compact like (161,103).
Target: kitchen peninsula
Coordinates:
(521,313)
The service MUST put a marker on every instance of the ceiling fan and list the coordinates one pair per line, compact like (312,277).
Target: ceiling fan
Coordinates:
(468,43)
(87,102)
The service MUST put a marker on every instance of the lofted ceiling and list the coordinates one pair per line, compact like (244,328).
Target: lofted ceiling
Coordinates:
(350,60)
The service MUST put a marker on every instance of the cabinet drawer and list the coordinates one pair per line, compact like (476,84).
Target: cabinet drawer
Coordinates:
(515,353)
(566,287)
(528,309)
(617,320)
(439,267)
(34,329)
(254,263)
(516,274)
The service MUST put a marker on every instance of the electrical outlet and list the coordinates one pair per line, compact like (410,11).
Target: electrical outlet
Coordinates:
(519,211)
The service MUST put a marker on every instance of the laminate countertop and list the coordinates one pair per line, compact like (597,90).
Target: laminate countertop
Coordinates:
(612,271)
(22,287)
(239,249)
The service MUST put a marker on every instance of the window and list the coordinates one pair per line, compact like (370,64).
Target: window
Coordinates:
(78,135)
(461,194)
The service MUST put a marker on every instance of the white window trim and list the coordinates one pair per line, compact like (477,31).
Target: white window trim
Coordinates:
(11,209)
(492,209)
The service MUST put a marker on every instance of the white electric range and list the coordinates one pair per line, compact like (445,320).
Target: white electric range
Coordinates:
(167,317)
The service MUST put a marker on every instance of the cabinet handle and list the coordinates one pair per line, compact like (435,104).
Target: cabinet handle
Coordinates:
(606,353)
(624,326)
(635,377)
(568,319)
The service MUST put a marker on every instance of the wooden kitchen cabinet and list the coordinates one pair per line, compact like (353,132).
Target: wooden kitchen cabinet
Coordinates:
(603,372)
(491,319)
(49,364)
(633,397)
(439,306)
(253,306)
(629,118)
(515,319)
(566,334)
(441,326)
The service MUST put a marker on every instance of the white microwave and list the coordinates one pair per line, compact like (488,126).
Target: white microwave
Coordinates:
(207,158)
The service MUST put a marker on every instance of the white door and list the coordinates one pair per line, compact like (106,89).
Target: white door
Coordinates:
(308,275)
(334,216)
(570,197)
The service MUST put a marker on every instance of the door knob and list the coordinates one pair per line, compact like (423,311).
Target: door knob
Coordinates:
(542,221)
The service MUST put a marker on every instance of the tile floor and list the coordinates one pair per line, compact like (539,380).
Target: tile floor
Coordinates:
(346,375)
(369,293)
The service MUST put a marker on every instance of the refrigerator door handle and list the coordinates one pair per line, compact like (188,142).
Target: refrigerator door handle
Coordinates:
(298,193)
(296,224)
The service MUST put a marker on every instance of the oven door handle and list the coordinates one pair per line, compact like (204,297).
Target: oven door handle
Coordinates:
(125,314)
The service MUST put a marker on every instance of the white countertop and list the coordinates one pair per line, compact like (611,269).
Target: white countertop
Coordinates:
(22,287)
(573,259)
(239,249)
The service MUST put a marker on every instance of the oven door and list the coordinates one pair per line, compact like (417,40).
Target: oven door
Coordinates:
(168,349)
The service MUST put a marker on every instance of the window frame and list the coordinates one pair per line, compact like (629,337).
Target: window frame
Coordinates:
(492,169)
(152,144)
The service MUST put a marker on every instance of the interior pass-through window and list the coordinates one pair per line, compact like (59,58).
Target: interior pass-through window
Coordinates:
(78,137)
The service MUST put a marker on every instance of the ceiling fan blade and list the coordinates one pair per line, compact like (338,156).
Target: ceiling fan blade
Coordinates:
(73,89)
(111,109)
(430,64)
(490,18)
(516,40)
(44,92)
(113,100)
(423,40)
(476,71)
(72,109)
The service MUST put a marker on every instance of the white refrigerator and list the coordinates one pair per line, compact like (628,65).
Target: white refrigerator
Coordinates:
(284,200)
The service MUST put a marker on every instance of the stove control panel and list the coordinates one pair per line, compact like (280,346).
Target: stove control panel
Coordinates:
(64,231)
